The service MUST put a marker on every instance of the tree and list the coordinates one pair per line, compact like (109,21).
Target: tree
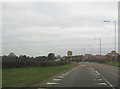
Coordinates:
(4,57)
(12,55)
(24,57)
(20,57)
(58,57)
(118,58)
(51,56)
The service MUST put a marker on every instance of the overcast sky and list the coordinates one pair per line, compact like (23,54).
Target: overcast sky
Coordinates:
(38,28)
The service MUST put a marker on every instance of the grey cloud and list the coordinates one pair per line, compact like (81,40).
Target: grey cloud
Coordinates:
(45,27)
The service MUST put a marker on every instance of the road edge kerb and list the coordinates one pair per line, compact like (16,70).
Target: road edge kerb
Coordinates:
(109,65)
(40,83)
(112,66)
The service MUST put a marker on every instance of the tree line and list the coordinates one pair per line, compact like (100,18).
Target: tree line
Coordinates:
(12,61)
(51,56)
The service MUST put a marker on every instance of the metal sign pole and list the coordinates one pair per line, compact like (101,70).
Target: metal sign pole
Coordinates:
(111,59)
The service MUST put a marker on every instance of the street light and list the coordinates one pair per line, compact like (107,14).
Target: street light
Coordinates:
(115,31)
(91,48)
(106,21)
(100,44)
(84,50)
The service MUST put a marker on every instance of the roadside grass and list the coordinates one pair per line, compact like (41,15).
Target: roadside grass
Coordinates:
(113,63)
(0,77)
(21,77)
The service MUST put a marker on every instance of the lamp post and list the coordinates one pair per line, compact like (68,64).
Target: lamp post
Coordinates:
(115,32)
(91,48)
(115,37)
(100,44)
(84,50)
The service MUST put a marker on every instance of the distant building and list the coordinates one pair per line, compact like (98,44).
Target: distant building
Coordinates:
(101,57)
(109,57)
(87,56)
(77,58)
(12,55)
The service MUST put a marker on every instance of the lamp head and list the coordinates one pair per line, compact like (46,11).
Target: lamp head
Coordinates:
(106,21)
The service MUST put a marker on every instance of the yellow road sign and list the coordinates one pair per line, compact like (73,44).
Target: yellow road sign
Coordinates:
(113,52)
(69,53)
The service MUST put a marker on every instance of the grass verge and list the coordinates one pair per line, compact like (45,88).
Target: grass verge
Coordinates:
(21,77)
(117,64)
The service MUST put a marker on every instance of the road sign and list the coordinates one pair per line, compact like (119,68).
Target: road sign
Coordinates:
(69,53)
(113,53)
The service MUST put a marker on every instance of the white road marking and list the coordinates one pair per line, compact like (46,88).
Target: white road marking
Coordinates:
(63,74)
(106,81)
(60,76)
(66,73)
(97,79)
(100,79)
(49,83)
(57,79)
(102,83)
(93,68)
(97,73)
(109,83)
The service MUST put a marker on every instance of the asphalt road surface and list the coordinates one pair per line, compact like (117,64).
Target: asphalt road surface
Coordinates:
(86,74)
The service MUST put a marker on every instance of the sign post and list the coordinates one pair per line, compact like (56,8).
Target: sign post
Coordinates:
(69,54)
(113,55)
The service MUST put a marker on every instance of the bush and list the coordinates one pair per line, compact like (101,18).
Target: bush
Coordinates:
(16,63)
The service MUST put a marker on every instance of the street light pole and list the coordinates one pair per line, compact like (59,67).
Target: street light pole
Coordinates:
(115,32)
(91,48)
(84,50)
(115,37)
(100,45)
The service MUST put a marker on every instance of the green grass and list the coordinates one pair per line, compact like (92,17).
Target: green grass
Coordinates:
(113,63)
(21,77)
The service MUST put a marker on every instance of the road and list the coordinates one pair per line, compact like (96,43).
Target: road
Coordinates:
(86,74)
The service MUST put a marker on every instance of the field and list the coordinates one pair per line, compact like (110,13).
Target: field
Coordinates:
(21,77)
(113,63)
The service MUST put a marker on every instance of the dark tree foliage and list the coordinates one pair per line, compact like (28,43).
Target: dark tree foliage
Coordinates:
(118,58)
(51,56)
(42,58)
(26,61)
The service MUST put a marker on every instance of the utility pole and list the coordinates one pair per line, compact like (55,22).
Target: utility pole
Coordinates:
(100,45)
(115,33)
(91,48)
(115,38)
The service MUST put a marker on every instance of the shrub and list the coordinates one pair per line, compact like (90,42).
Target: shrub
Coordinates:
(15,63)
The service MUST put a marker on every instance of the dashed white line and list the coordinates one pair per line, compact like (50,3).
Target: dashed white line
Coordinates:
(104,79)
(49,83)
(93,68)
(60,77)
(100,79)
(63,74)
(102,83)
(57,79)
(66,73)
